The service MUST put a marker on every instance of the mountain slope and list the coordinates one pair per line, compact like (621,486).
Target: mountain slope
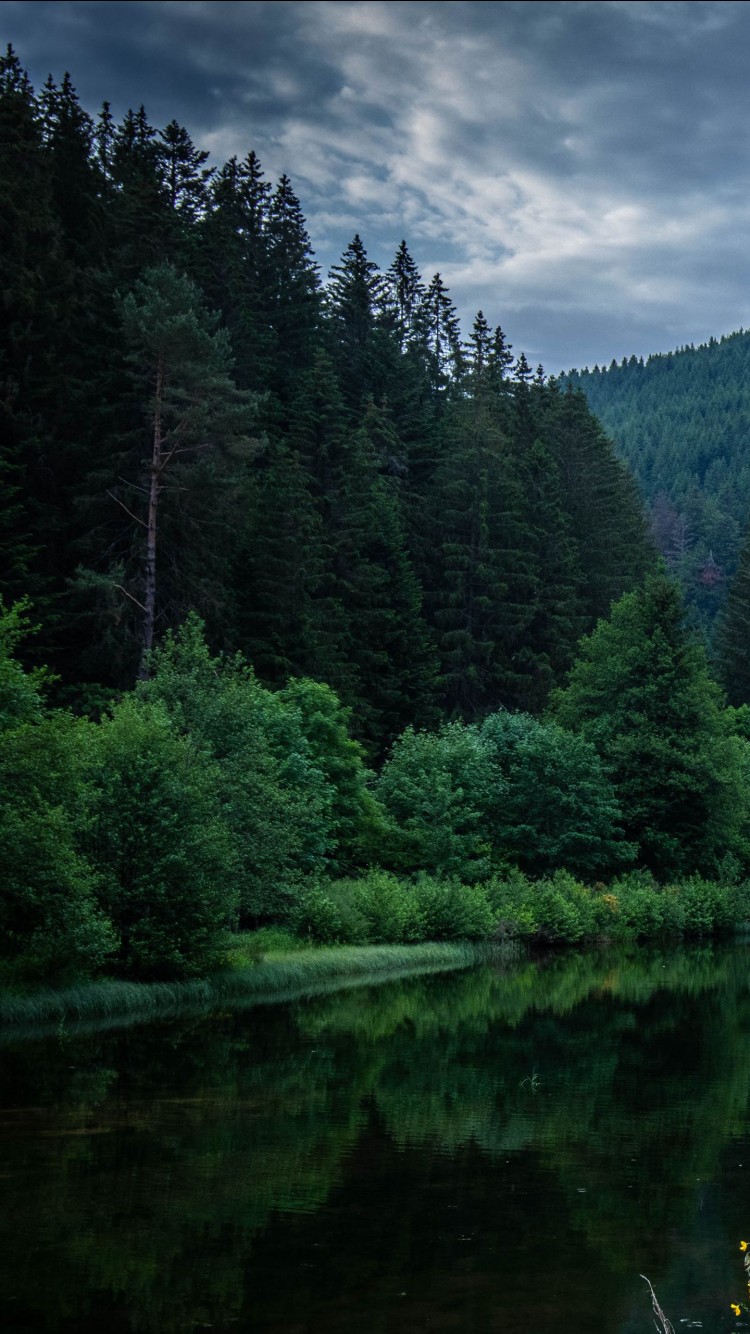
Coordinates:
(681,420)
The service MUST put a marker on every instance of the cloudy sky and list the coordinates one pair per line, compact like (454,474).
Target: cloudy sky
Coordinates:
(579,169)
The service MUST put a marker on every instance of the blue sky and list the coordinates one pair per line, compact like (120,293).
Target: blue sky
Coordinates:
(579,170)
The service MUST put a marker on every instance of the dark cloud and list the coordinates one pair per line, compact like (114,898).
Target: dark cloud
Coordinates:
(577,169)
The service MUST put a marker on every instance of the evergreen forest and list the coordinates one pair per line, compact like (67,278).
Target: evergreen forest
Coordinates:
(318,609)
(681,420)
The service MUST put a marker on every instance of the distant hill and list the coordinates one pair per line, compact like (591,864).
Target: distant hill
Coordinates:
(681,420)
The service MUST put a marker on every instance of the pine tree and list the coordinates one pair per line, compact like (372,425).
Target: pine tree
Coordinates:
(641,693)
(443,335)
(234,266)
(733,635)
(354,299)
(193,413)
(480,594)
(296,302)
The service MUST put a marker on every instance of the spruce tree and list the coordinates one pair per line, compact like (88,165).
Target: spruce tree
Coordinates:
(193,415)
(733,635)
(354,299)
(481,591)
(640,691)
(29,255)
(234,267)
(296,300)
(443,336)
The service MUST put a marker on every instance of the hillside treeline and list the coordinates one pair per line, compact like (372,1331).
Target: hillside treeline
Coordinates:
(341,619)
(339,482)
(681,421)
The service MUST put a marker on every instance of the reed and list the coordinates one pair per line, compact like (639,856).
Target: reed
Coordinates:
(113,1003)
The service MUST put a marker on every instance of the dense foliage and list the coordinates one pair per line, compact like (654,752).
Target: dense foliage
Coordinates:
(331,477)
(274,534)
(681,421)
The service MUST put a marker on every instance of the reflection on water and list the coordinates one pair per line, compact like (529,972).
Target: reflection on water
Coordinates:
(493,1150)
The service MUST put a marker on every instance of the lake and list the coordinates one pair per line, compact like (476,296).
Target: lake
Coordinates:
(504,1148)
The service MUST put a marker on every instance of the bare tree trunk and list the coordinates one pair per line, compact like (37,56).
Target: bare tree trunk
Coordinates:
(149,592)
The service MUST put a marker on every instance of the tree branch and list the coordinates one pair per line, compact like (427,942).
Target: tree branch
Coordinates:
(130,595)
(117,501)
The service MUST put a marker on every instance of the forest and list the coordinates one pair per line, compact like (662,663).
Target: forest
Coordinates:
(317,610)
(680,420)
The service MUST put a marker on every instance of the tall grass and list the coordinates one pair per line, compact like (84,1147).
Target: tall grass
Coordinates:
(114,1003)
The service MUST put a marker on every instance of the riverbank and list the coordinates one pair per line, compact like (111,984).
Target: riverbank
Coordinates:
(290,975)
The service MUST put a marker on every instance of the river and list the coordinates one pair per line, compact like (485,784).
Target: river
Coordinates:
(505,1148)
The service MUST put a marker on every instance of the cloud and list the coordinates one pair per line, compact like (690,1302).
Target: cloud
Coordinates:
(579,170)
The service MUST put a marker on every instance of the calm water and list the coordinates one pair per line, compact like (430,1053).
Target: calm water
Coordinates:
(492,1150)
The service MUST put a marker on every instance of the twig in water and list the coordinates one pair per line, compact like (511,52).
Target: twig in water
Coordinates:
(661,1322)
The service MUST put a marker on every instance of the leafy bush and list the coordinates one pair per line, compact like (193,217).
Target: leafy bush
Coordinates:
(331,915)
(283,812)
(155,834)
(510,897)
(389,908)
(551,804)
(450,910)
(50,924)
(435,787)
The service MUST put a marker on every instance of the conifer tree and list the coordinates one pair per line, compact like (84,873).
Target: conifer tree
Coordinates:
(193,413)
(405,295)
(142,220)
(354,299)
(481,593)
(443,335)
(234,267)
(186,175)
(641,693)
(29,253)
(296,302)
(733,635)
(600,498)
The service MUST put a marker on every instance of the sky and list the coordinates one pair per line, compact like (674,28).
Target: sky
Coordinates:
(577,169)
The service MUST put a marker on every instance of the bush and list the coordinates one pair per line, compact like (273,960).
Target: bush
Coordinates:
(435,787)
(331,916)
(551,804)
(450,910)
(510,897)
(50,924)
(389,908)
(283,813)
(155,834)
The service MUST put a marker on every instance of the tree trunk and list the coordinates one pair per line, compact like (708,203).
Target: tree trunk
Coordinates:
(149,598)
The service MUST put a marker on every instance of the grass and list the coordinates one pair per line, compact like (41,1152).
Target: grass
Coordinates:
(285,976)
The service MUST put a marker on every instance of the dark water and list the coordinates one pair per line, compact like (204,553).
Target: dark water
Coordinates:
(492,1150)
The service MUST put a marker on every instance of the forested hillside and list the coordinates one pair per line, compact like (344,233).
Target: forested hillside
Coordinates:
(336,479)
(343,619)
(681,420)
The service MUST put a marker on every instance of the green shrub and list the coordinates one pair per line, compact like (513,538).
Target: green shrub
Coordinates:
(511,899)
(154,832)
(330,915)
(560,909)
(434,787)
(643,911)
(50,924)
(709,906)
(270,766)
(450,910)
(551,804)
(388,907)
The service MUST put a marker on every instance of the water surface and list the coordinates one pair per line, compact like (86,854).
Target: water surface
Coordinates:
(497,1149)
